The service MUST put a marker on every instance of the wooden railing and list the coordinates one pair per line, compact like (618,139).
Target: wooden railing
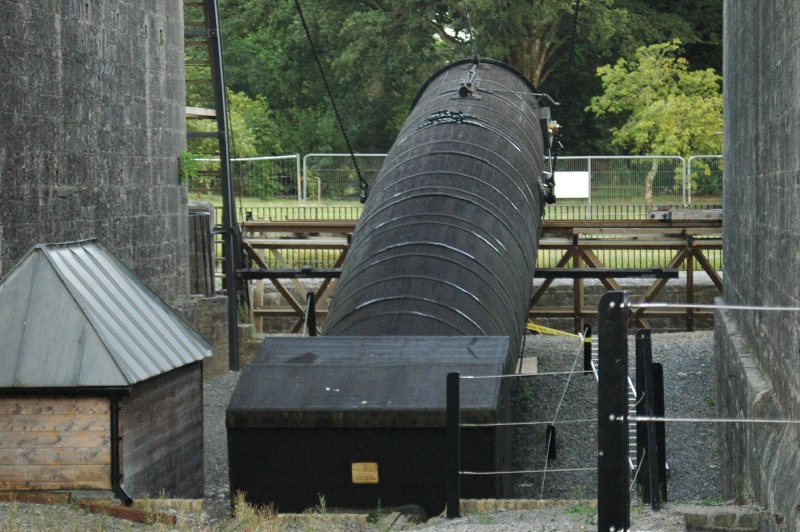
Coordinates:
(684,241)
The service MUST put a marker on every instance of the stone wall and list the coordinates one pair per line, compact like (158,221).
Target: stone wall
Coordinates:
(92,115)
(209,316)
(762,253)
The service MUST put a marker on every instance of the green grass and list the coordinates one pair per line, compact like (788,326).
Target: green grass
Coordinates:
(582,511)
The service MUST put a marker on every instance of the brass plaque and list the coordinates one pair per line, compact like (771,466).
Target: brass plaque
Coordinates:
(365,472)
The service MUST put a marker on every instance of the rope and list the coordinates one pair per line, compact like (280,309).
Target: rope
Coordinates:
(657,419)
(706,306)
(638,468)
(471,32)
(558,409)
(572,38)
(516,375)
(531,423)
(547,330)
(361,182)
(527,471)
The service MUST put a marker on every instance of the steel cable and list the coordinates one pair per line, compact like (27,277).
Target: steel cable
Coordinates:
(361,181)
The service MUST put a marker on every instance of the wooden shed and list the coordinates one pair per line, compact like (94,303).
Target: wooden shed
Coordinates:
(100,380)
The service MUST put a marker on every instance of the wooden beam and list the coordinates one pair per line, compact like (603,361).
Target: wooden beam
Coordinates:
(657,286)
(707,267)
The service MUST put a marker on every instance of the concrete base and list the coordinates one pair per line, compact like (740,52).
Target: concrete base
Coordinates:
(209,315)
(758,461)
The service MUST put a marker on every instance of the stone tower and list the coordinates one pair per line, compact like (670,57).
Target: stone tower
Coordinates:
(758,351)
(91,126)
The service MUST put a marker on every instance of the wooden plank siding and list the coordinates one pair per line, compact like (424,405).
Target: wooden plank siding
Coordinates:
(162,435)
(54,443)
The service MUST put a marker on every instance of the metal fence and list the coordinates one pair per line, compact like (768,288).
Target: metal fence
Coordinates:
(587,187)
(704,180)
(255,179)
(333,176)
(617,187)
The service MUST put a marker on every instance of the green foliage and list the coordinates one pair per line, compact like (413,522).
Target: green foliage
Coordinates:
(583,511)
(377,54)
(253,128)
(664,108)
(188,168)
(525,392)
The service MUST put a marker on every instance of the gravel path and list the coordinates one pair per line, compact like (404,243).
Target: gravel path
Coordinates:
(691,448)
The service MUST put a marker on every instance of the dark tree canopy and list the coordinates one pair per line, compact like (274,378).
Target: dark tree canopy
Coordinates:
(377,54)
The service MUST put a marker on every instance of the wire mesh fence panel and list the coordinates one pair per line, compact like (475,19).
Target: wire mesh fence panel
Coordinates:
(587,187)
(704,179)
(255,179)
(617,187)
(259,179)
(280,213)
(333,176)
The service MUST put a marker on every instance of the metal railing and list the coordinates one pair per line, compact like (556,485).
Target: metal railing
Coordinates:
(621,180)
(704,180)
(587,187)
(255,179)
(332,176)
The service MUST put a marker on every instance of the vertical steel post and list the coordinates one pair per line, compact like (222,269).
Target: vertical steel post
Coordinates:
(646,442)
(229,227)
(690,284)
(613,495)
(578,290)
(453,468)
(589,198)
(587,349)
(661,438)
(311,314)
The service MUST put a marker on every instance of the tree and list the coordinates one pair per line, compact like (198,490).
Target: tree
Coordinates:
(662,107)
(377,53)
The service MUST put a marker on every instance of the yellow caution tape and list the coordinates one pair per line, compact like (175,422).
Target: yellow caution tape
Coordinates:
(547,330)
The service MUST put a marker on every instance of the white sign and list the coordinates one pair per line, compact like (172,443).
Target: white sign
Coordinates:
(572,185)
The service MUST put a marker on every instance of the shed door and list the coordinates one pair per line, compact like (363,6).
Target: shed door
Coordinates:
(54,443)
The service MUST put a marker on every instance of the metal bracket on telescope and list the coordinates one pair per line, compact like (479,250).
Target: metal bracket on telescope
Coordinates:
(613,493)
(647,452)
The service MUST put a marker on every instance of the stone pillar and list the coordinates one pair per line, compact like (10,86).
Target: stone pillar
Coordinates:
(757,351)
(93,122)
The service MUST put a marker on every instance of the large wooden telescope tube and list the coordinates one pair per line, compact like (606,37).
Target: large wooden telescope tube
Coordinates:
(447,241)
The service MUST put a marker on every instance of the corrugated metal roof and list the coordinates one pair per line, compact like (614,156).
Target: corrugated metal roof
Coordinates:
(74,315)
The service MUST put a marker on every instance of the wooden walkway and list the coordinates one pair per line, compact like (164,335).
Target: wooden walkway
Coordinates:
(685,236)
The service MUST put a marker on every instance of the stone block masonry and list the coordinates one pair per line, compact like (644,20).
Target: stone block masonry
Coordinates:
(91,127)
(760,349)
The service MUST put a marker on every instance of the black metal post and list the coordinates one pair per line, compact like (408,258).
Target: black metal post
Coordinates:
(661,438)
(116,439)
(646,442)
(452,472)
(229,226)
(550,438)
(613,494)
(311,314)
(587,350)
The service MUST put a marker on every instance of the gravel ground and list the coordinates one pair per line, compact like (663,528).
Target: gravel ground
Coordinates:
(691,448)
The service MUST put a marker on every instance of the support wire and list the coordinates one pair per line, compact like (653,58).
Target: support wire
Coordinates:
(558,409)
(361,182)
